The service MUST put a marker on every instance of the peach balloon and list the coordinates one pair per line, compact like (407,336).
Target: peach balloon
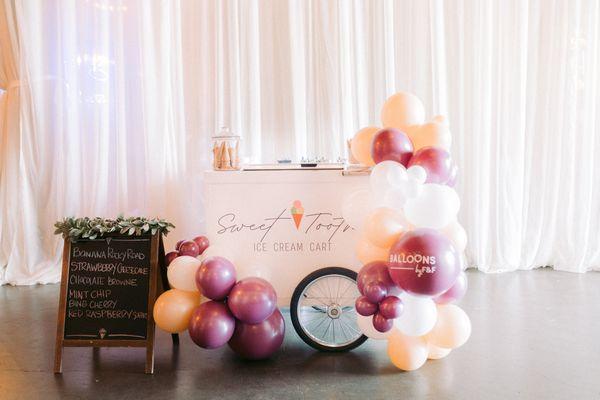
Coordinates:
(430,134)
(436,353)
(361,145)
(440,119)
(173,309)
(407,352)
(383,226)
(402,110)
(452,328)
(367,252)
(457,234)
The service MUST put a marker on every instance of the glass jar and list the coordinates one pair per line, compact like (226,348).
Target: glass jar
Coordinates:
(226,151)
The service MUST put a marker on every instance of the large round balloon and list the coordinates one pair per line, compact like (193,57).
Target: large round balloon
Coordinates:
(456,292)
(181,273)
(402,110)
(360,146)
(435,207)
(424,262)
(384,226)
(258,341)
(391,144)
(375,272)
(252,300)
(215,278)
(430,134)
(418,317)
(452,328)
(211,325)
(407,352)
(436,161)
(173,309)
(368,252)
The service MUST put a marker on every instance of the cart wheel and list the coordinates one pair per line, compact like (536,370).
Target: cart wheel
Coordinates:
(322,310)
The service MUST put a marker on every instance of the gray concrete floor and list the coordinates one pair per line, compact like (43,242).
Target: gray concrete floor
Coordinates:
(536,335)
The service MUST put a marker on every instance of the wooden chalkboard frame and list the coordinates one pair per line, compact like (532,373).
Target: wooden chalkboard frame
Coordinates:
(156,286)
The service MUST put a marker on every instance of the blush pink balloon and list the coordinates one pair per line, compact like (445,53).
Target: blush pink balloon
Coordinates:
(382,324)
(456,292)
(215,278)
(211,325)
(252,300)
(364,307)
(436,161)
(258,341)
(424,262)
(189,248)
(202,242)
(391,144)
(170,256)
(376,271)
(391,307)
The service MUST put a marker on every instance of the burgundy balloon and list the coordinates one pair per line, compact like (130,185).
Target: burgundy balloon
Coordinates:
(391,307)
(258,341)
(211,325)
(215,278)
(424,262)
(436,161)
(376,271)
(252,300)
(170,256)
(391,144)
(456,292)
(189,248)
(375,291)
(202,242)
(179,244)
(364,307)
(382,324)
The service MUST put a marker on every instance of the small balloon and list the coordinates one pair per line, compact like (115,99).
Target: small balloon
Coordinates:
(365,325)
(252,300)
(417,173)
(181,273)
(418,317)
(202,243)
(436,161)
(424,262)
(258,341)
(391,144)
(377,272)
(364,307)
(178,244)
(456,292)
(387,175)
(407,353)
(375,291)
(382,324)
(452,329)
(391,307)
(173,309)
(401,110)
(170,256)
(360,146)
(215,278)
(211,325)
(189,248)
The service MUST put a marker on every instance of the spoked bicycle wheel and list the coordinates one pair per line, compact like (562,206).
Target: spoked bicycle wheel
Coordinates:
(322,310)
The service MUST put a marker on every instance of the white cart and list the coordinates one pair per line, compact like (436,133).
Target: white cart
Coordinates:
(288,223)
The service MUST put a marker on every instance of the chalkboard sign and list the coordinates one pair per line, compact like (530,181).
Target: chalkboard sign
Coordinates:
(108,289)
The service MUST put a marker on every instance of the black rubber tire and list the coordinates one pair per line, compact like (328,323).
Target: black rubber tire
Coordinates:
(294,309)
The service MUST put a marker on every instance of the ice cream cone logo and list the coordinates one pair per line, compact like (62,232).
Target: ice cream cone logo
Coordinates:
(297,213)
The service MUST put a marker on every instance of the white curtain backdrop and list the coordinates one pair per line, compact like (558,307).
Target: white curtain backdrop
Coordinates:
(108,107)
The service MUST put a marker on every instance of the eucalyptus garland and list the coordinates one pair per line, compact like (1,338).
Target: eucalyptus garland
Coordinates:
(92,228)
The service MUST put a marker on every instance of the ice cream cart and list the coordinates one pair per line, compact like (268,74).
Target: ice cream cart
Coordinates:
(285,222)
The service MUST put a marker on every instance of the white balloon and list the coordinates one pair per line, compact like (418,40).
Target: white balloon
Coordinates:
(365,324)
(435,207)
(412,188)
(419,315)
(387,174)
(393,198)
(417,173)
(457,234)
(182,273)
(355,207)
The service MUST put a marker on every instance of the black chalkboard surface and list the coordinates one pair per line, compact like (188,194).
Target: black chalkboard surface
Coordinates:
(108,289)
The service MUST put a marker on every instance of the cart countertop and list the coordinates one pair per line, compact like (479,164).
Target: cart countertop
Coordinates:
(279,176)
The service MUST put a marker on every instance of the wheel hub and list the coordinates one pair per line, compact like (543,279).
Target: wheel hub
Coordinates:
(334,311)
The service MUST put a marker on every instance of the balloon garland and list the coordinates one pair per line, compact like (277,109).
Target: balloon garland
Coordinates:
(412,244)
(241,313)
